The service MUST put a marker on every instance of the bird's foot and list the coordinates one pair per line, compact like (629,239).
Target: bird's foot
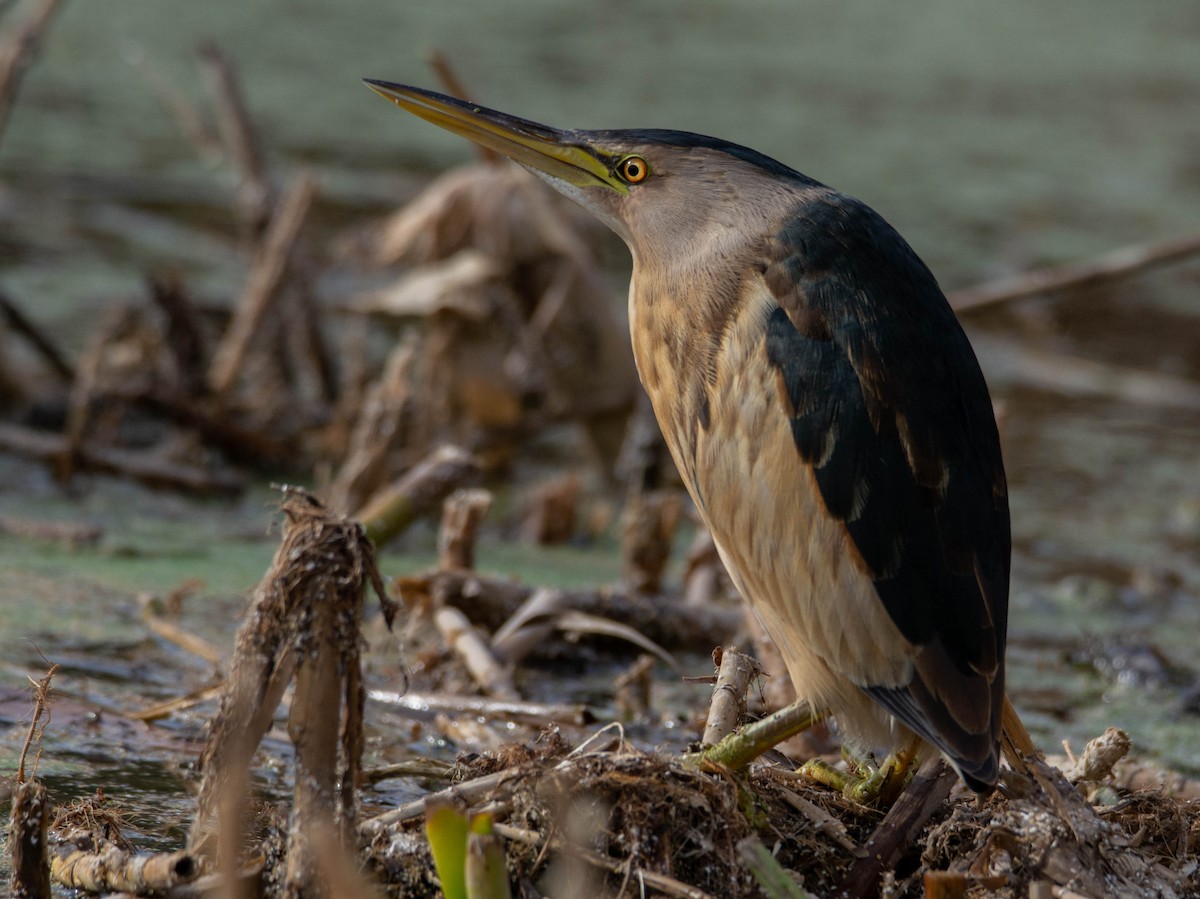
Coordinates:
(867,783)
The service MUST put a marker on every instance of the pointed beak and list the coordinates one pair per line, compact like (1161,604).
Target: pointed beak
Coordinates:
(558,154)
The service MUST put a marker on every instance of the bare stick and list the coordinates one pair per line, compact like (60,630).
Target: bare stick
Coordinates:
(313,728)
(117,324)
(419,492)
(1119,263)
(1012,361)
(41,705)
(18,52)
(162,710)
(492,601)
(900,826)
(241,141)
(143,467)
(185,113)
(380,421)
(263,283)
(45,347)
(184,335)
(824,822)
(465,640)
(112,869)
(462,513)
(743,746)
(467,793)
(728,705)
(185,640)
(450,81)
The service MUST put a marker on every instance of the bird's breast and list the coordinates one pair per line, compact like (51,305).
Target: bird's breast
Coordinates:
(717,401)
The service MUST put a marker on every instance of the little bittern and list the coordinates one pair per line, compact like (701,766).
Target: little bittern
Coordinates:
(824,409)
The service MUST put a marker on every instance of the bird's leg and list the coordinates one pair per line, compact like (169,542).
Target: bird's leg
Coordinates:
(744,745)
(873,784)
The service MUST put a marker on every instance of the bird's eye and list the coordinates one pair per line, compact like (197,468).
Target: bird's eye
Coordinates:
(633,169)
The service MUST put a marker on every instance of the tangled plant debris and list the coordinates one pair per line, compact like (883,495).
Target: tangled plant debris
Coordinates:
(588,812)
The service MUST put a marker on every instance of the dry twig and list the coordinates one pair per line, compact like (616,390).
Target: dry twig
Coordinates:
(18,52)
(728,706)
(1114,264)
(440,63)
(1012,361)
(263,284)
(41,706)
(389,416)
(108,869)
(241,142)
(185,113)
(903,822)
(462,513)
(485,670)
(147,468)
(21,324)
(419,492)
(492,601)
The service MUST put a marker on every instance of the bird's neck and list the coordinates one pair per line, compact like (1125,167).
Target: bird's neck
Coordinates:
(677,314)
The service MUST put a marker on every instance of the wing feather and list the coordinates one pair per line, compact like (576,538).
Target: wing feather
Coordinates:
(888,405)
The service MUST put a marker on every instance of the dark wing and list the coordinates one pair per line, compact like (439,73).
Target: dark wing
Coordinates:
(889,407)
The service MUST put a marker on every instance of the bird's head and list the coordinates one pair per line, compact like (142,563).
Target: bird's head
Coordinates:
(664,192)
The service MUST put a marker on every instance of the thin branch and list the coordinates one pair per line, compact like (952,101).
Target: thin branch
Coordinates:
(1119,263)
(728,705)
(263,283)
(41,705)
(241,141)
(148,469)
(186,114)
(1006,359)
(485,670)
(900,826)
(16,319)
(18,52)
(440,63)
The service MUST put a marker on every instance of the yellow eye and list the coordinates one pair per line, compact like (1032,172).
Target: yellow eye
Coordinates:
(633,169)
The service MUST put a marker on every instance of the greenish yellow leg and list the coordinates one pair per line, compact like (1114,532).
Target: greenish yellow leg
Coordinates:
(880,785)
(825,774)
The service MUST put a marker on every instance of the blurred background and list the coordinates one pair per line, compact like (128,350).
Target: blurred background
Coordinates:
(998,138)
